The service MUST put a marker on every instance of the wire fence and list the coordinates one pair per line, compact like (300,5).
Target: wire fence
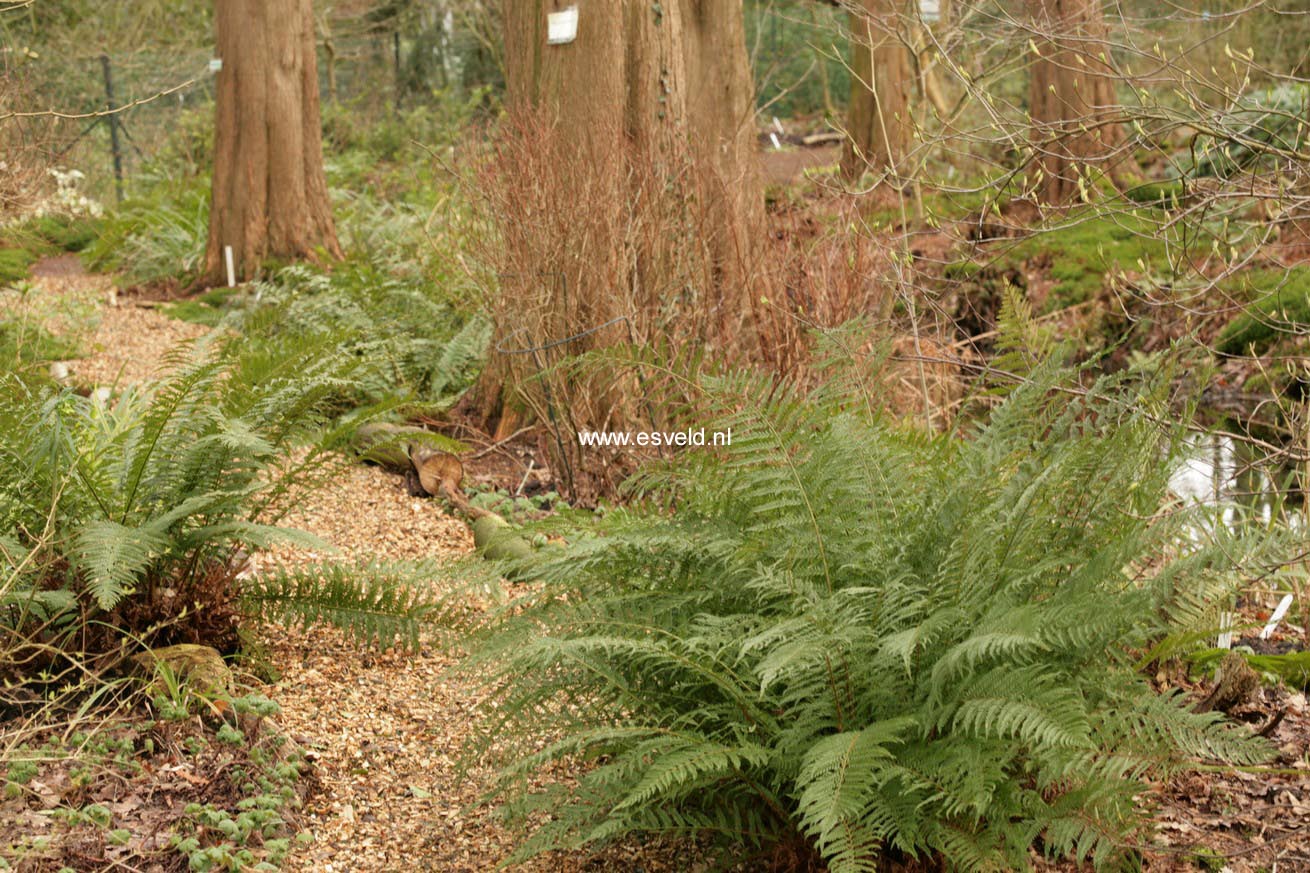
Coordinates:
(139,114)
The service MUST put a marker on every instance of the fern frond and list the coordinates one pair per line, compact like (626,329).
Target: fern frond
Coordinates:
(114,557)
(373,603)
(860,638)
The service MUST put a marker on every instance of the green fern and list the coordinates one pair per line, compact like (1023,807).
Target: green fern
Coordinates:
(112,503)
(374,603)
(1021,343)
(407,339)
(866,640)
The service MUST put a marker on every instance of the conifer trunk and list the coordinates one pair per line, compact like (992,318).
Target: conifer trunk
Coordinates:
(721,129)
(878,116)
(1072,102)
(269,195)
(646,215)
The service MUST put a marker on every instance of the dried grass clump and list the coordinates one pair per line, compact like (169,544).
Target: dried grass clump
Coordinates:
(621,244)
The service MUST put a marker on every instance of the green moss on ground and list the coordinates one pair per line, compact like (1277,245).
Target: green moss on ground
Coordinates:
(207,308)
(1167,194)
(1083,250)
(15,263)
(1279,305)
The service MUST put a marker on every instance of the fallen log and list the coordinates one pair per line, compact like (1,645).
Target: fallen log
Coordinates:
(388,445)
(496,540)
(431,471)
(415,453)
(818,139)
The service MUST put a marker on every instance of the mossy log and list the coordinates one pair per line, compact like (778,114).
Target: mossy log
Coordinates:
(431,471)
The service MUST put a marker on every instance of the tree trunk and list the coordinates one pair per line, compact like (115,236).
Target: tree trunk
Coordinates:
(721,130)
(627,198)
(269,196)
(878,117)
(1294,235)
(1072,102)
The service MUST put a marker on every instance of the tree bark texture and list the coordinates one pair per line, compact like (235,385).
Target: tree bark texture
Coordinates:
(1072,102)
(628,193)
(269,194)
(878,115)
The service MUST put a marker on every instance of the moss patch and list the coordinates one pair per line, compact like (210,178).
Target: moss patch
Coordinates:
(207,308)
(1280,304)
(1083,250)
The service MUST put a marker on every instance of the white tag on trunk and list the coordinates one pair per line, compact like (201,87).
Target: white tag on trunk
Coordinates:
(1279,611)
(930,10)
(215,64)
(562,26)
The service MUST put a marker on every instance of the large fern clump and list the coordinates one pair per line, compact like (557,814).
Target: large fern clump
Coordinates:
(409,341)
(842,641)
(129,519)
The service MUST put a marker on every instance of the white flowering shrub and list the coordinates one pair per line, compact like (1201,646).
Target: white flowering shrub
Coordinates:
(69,198)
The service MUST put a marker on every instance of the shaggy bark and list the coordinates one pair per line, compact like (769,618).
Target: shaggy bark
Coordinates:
(269,196)
(632,195)
(878,116)
(720,123)
(1072,102)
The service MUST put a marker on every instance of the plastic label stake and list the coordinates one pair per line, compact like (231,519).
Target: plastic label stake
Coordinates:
(1279,611)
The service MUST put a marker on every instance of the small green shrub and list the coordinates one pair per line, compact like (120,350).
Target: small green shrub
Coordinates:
(14,264)
(27,348)
(853,642)
(64,232)
(25,243)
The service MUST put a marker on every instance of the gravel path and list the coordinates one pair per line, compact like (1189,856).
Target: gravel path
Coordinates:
(123,342)
(385,729)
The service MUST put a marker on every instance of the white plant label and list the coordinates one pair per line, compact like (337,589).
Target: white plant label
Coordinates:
(215,65)
(562,26)
(231,269)
(1225,640)
(774,137)
(930,10)
(1279,611)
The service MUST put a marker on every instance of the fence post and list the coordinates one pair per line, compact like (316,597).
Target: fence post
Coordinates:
(395,46)
(114,145)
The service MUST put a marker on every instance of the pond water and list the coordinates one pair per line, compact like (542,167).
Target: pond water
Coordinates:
(1231,476)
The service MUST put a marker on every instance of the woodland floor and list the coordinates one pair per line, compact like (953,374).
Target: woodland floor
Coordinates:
(383,730)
